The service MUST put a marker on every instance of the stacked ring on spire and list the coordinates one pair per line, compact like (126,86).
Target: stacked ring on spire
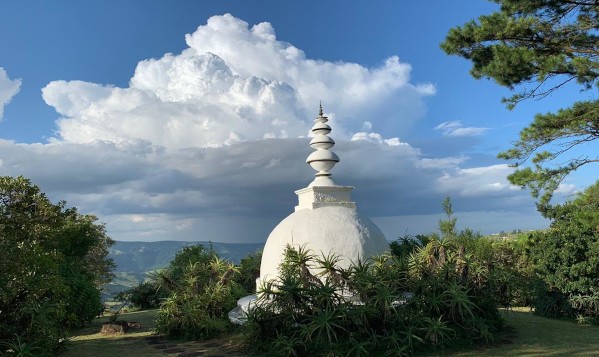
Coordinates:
(322,160)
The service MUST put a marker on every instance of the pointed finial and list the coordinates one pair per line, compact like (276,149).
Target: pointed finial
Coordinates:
(322,160)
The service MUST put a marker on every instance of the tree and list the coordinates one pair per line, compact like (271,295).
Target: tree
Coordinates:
(84,266)
(146,295)
(535,47)
(447,225)
(52,263)
(566,256)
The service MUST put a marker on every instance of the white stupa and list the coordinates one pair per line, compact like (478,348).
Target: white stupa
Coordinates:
(325,220)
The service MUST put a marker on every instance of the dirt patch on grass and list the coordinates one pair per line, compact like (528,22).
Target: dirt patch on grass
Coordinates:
(142,341)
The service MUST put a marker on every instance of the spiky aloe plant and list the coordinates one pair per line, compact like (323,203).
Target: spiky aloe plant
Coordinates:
(436,330)
(201,295)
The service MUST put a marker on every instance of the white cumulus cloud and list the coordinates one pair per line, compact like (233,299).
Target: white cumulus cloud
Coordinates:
(214,140)
(235,83)
(477,181)
(8,89)
(376,138)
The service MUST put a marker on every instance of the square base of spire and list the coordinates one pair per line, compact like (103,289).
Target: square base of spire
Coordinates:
(324,196)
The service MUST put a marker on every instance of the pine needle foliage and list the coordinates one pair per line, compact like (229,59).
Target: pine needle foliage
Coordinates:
(535,48)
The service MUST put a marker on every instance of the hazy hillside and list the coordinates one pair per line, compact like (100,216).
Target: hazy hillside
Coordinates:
(134,260)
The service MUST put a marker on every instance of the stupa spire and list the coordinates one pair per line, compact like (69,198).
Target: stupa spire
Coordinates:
(322,160)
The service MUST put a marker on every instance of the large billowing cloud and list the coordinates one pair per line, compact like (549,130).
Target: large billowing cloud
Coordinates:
(8,89)
(236,83)
(213,140)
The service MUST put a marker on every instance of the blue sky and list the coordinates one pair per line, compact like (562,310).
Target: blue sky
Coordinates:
(202,137)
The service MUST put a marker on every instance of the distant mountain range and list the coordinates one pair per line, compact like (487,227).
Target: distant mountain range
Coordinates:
(135,260)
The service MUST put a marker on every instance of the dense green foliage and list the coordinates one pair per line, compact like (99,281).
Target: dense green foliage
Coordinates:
(146,295)
(52,262)
(249,271)
(150,294)
(566,258)
(426,293)
(201,290)
(538,46)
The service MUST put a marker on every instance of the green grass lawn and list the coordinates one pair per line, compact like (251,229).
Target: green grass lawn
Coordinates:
(530,335)
(527,335)
(88,342)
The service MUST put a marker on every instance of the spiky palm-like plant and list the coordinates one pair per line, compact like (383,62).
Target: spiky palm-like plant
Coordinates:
(201,294)
(365,310)
(436,330)
(326,326)
(458,302)
(410,338)
(19,347)
(329,269)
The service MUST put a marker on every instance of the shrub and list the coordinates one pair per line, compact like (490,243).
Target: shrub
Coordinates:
(586,305)
(366,308)
(200,293)
(249,271)
(550,303)
(52,262)
(83,299)
(566,257)
(428,292)
(146,295)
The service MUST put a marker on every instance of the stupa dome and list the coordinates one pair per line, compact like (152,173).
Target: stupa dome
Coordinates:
(325,221)
(333,229)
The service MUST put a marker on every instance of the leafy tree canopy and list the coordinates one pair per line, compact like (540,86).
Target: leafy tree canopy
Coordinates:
(566,256)
(535,47)
(53,261)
